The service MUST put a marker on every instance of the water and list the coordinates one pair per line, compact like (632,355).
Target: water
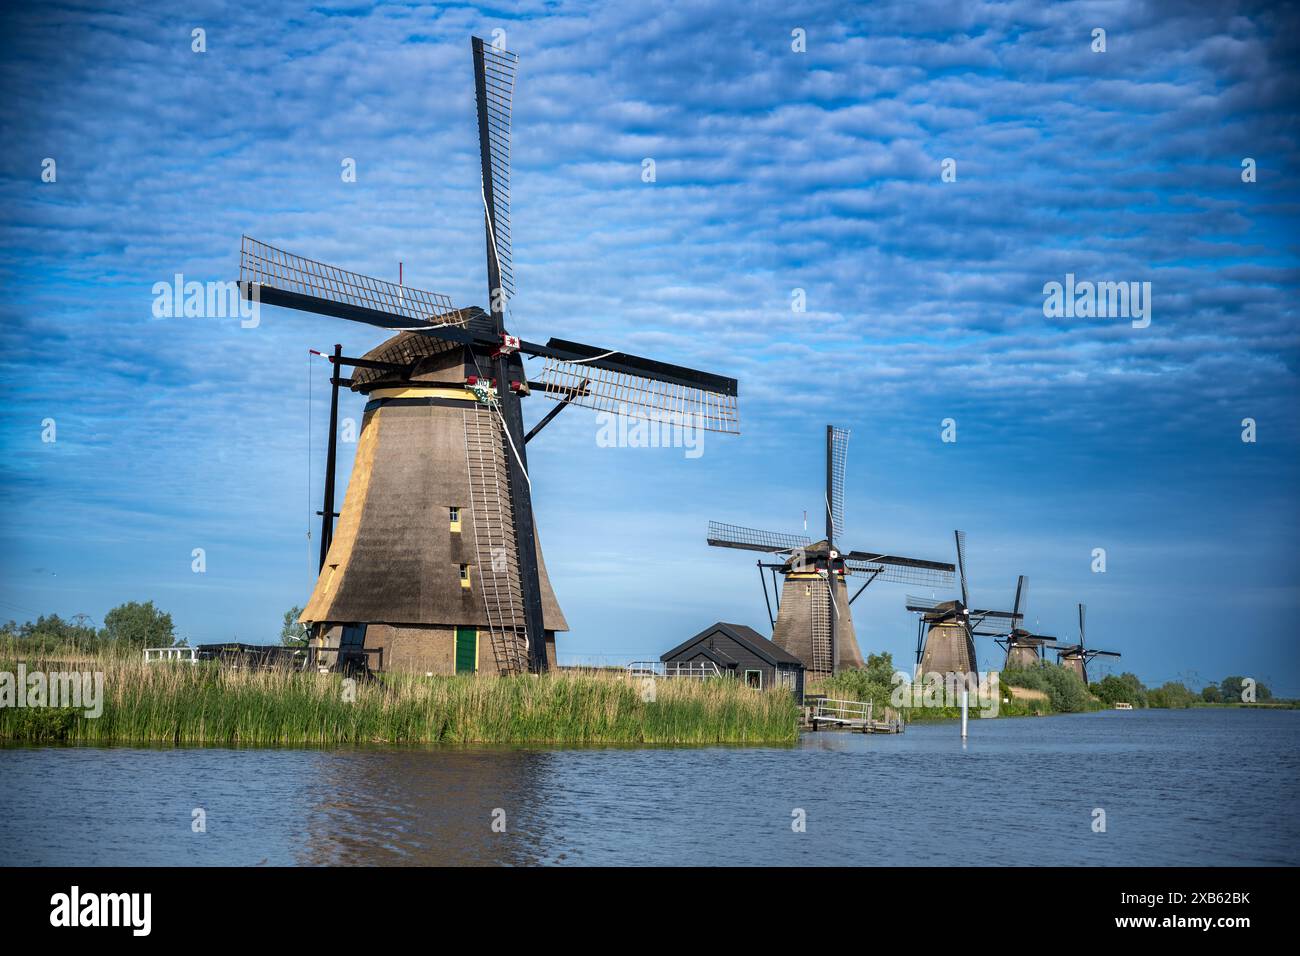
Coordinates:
(1207,787)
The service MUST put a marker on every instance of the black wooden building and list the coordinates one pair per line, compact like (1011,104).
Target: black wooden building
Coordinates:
(743,653)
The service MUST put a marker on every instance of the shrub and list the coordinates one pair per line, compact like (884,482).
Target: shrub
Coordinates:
(1063,687)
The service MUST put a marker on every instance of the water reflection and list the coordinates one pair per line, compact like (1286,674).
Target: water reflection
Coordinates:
(427,808)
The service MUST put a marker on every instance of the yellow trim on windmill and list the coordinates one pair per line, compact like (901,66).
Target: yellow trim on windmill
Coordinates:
(440,390)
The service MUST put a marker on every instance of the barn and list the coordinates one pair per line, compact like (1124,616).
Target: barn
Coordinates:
(743,653)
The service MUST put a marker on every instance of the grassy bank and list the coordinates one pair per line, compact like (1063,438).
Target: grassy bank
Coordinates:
(1038,691)
(206,704)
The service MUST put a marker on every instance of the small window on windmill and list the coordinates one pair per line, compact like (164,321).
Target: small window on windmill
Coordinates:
(454,514)
(464,575)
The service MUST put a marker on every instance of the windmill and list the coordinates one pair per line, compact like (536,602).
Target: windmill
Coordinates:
(1075,657)
(946,630)
(813,621)
(436,541)
(1023,648)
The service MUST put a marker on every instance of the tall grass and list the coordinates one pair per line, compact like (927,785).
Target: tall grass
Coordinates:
(208,704)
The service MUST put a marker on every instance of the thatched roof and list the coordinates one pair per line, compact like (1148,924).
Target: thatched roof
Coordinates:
(425,356)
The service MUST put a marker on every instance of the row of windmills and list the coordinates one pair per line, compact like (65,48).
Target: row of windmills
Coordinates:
(435,562)
(814,619)
(946,632)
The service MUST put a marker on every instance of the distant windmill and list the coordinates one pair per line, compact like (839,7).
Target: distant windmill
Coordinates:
(436,541)
(813,621)
(946,630)
(1024,649)
(1075,657)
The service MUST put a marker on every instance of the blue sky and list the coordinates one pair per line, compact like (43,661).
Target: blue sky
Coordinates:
(775,170)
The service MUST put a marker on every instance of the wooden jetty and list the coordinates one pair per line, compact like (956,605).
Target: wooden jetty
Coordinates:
(827,713)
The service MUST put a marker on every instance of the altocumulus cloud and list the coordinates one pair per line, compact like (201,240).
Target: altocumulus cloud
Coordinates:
(776,171)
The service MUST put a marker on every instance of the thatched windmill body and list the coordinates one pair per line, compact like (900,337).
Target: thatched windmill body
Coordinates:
(946,630)
(813,620)
(1076,657)
(435,564)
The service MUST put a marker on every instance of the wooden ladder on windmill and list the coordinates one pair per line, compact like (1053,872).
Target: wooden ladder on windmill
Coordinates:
(821,629)
(494,539)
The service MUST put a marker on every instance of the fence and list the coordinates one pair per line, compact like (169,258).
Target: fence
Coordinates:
(692,669)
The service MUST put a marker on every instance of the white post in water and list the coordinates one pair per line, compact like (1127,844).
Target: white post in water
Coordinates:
(965,694)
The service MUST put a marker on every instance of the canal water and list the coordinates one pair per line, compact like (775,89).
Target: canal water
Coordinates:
(1203,787)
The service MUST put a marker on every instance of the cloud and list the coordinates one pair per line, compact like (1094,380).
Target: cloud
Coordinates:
(775,171)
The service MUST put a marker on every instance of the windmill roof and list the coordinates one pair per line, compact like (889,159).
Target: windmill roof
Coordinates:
(411,348)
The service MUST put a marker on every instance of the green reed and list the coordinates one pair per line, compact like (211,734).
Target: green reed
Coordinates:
(184,704)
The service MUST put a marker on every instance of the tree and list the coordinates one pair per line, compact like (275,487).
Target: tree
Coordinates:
(880,668)
(1126,689)
(293,634)
(1172,694)
(1211,694)
(1231,688)
(51,633)
(138,625)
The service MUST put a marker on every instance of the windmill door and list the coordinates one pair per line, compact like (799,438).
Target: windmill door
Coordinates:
(466,650)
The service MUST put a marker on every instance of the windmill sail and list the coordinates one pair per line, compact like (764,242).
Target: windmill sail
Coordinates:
(494,79)
(296,282)
(639,388)
(961,565)
(751,539)
(839,451)
(899,570)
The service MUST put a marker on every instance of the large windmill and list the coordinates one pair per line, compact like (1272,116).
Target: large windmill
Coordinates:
(1075,657)
(946,630)
(813,621)
(1024,648)
(436,541)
